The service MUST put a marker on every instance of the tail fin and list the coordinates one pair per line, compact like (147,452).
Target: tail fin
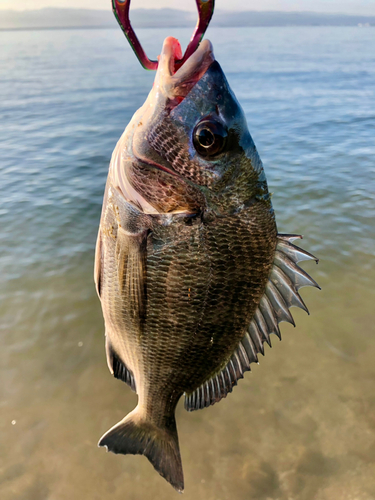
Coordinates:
(136,435)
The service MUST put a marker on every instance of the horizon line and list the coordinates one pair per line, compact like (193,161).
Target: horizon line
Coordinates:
(192,12)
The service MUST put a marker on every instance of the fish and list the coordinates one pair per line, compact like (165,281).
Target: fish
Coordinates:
(192,275)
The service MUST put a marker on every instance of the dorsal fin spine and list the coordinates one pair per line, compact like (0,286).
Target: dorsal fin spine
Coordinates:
(208,395)
(289,237)
(243,357)
(278,304)
(294,253)
(269,316)
(250,348)
(262,326)
(256,336)
(230,385)
(239,365)
(232,372)
(223,387)
(299,277)
(287,289)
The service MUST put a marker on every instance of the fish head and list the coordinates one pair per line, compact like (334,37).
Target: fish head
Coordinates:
(189,143)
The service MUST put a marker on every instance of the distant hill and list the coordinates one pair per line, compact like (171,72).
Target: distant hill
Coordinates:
(53,18)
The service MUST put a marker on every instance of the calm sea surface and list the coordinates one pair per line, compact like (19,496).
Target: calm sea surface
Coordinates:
(301,426)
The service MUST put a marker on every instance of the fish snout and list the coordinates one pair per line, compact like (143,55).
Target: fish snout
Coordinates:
(177,83)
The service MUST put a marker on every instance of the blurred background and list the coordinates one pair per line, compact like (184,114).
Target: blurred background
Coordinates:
(301,425)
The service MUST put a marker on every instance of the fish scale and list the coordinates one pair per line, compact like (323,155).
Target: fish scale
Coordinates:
(173,315)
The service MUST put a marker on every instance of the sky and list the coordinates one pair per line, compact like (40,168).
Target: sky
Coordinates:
(363,7)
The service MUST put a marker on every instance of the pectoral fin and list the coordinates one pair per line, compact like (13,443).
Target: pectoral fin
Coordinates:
(131,251)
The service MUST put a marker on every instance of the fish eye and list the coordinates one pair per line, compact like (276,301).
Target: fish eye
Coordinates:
(209,138)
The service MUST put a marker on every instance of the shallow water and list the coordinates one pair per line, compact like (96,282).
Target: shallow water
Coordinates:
(301,426)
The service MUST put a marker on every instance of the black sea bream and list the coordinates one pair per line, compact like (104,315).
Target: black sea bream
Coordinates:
(191,273)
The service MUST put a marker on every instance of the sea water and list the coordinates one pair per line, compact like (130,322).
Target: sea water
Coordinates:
(301,425)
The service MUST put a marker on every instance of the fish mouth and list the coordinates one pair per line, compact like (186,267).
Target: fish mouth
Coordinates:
(175,85)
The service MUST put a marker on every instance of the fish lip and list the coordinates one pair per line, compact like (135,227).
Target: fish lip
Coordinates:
(177,84)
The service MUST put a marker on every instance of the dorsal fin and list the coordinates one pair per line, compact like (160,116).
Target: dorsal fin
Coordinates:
(281,293)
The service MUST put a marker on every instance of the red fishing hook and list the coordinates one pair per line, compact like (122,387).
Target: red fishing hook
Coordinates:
(121,11)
